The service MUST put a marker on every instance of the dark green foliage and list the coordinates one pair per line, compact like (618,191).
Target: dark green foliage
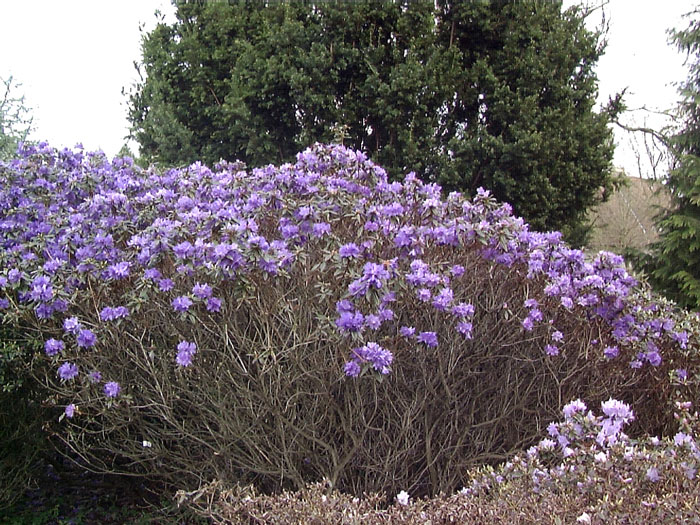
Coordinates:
(673,265)
(21,416)
(467,94)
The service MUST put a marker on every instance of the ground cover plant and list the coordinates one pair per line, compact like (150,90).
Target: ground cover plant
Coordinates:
(586,471)
(286,324)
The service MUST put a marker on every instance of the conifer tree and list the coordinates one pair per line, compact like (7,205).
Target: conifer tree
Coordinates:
(673,265)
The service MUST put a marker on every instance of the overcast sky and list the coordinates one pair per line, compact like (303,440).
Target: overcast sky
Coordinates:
(73,57)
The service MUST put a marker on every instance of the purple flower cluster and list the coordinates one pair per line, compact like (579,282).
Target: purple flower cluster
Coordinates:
(78,233)
(371,353)
(584,448)
(185,352)
(109,313)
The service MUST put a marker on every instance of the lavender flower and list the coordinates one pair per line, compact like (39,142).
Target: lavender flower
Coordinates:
(109,313)
(443,299)
(166,285)
(350,321)
(67,371)
(574,407)
(424,294)
(349,250)
(119,270)
(430,339)
(185,352)
(203,291)
(112,389)
(69,411)
(214,304)
(72,325)
(611,352)
(465,328)
(551,350)
(407,331)
(86,338)
(182,303)
(53,346)
(352,369)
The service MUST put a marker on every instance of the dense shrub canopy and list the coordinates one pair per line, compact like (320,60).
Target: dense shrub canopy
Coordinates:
(288,323)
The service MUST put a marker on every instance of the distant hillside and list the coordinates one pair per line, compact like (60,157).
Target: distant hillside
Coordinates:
(626,219)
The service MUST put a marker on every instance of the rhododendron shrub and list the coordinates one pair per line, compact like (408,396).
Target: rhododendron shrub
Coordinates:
(281,325)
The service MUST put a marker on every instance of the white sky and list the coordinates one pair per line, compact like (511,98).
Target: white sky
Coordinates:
(73,58)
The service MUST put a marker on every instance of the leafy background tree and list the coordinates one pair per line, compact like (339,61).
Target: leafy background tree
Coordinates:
(15,117)
(673,263)
(495,94)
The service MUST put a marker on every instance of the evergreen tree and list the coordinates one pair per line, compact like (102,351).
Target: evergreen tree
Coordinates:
(673,265)
(496,94)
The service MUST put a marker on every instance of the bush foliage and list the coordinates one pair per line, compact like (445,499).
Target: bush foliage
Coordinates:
(283,325)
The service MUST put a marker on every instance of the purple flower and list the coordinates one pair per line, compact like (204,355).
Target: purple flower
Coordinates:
(681,338)
(443,299)
(465,329)
(119,270)
(185,352)
(531,303)
(374,274)
(407,331)
(350,321)
(95,376)
(349,250)
(424,294)
(53,346)
(71,325)
(183,250)
(69,411)
(652,474)
(463,310)
(152,274)
(551,350)
(386,314)
(352,369)
(527,323)
(112,389)
(67,371)
(4,303)
(344,306)
(457,270)
(617,409)
(573,407)
(379,357)
(319,229)
(611,352)
(653,357)
(86,338)
(203,291)
(109,314)
(182,303)
(166,285)
(430,339)
(214,304)
(373,322)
